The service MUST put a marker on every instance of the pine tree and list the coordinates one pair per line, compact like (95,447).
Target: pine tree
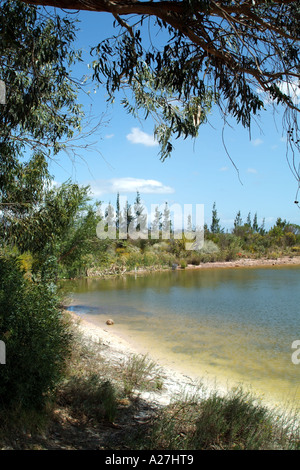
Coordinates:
(261,229)
(156,224)
(238,222)
(127,215)
(189,223)
(140,217)
(110,219)
(248,222)
(215,222)
(118,212)
(139,230)
(123,224)
(255,224)
(166,223)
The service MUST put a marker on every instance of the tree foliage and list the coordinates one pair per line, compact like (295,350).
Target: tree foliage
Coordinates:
(237,55)
(80,246)
(41,107)
(40,111)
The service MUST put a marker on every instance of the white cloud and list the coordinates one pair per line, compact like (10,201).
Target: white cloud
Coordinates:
(257,142)
(129,185)
(109,136)
(252,170)
(139,137)
(224,168)
(291,89)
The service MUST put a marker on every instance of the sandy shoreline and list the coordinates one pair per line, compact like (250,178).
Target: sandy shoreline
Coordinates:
(176,382)
(249,262)
(117,349)
(239,263)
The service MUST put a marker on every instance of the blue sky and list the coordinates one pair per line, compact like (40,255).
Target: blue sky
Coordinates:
(125,157)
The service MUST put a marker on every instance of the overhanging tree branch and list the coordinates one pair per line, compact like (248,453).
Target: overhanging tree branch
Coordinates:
(265,29)
(238,55)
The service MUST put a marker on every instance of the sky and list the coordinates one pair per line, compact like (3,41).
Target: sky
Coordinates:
(250,174)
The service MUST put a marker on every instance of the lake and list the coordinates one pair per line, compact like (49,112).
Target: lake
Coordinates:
(235,325)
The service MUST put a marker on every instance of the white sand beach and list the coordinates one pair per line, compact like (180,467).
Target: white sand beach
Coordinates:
(118,349)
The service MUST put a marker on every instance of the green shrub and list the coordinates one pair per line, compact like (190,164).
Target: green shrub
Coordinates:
(194,259)
(290,238)
(209,247)
(36,336)
(134,260)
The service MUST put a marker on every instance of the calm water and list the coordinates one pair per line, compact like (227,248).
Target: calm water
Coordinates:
(236,325)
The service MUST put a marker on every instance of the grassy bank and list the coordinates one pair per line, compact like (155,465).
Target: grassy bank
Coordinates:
(159,259)
(116,269)
(111,398)
(163,256)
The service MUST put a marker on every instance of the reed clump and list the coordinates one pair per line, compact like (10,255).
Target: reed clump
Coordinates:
(235,421)
(139,372)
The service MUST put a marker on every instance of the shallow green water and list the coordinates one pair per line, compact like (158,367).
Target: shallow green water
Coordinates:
(236,324)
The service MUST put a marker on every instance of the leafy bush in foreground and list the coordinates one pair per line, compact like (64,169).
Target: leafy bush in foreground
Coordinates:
(36,337)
